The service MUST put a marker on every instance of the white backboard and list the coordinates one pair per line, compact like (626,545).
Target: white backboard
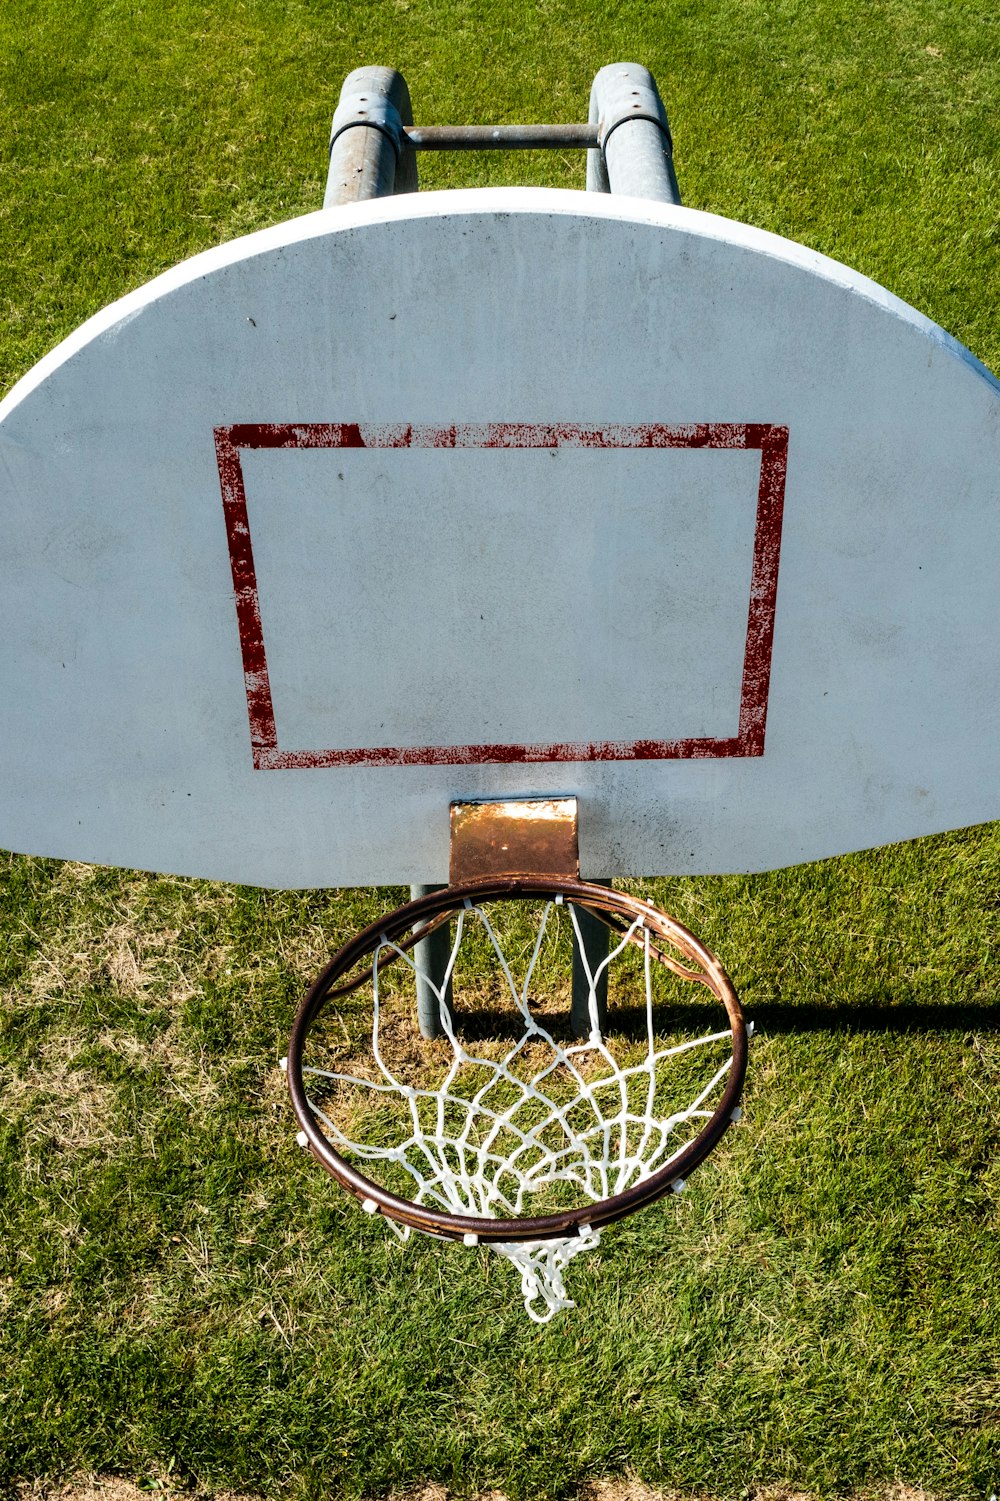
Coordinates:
(502,492)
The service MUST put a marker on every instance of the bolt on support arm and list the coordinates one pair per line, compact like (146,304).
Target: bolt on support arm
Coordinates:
(635,154)
(370,156)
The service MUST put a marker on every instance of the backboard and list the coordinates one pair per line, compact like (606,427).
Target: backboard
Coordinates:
(507,492)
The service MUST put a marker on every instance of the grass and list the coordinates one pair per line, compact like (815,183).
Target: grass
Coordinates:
(186,1301)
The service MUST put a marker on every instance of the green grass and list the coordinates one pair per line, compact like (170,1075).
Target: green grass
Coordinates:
(182,1292)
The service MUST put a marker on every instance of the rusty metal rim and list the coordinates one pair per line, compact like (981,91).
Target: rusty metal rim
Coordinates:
(545,1227)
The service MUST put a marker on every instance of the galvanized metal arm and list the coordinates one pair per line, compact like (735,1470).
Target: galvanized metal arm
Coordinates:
(373,141)
(370,156)
(636,153)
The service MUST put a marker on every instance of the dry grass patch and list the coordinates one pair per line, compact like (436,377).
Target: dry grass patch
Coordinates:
(59,1089)
(635,1490)
(136,962)
(630,1489)
(60,1101)
(112,1488)
(63,1102)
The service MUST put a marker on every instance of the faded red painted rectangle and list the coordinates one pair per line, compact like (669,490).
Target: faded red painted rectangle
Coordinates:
(770,440)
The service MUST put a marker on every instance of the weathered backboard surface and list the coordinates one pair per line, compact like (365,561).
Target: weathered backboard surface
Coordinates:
(503,492)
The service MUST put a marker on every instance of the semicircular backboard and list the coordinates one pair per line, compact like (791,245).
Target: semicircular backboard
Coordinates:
(502,492)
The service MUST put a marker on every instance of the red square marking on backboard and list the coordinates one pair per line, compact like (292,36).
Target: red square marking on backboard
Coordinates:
(771,441)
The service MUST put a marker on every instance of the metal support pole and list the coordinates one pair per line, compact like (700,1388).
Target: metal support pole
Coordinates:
(370,156)
(597,167)
(636,152)
(596,942)
(431,957)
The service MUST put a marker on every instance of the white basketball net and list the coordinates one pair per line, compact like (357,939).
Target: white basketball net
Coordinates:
(497,1132)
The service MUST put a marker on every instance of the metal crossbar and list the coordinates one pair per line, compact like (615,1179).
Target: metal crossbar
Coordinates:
(502,137)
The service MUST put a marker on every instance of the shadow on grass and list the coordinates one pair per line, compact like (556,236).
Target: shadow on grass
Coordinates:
(875,1016)
(768,1017)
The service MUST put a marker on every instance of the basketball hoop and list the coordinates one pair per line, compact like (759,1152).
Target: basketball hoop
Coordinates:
(507,1131)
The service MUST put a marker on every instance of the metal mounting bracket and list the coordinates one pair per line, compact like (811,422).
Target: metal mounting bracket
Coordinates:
(515,837)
